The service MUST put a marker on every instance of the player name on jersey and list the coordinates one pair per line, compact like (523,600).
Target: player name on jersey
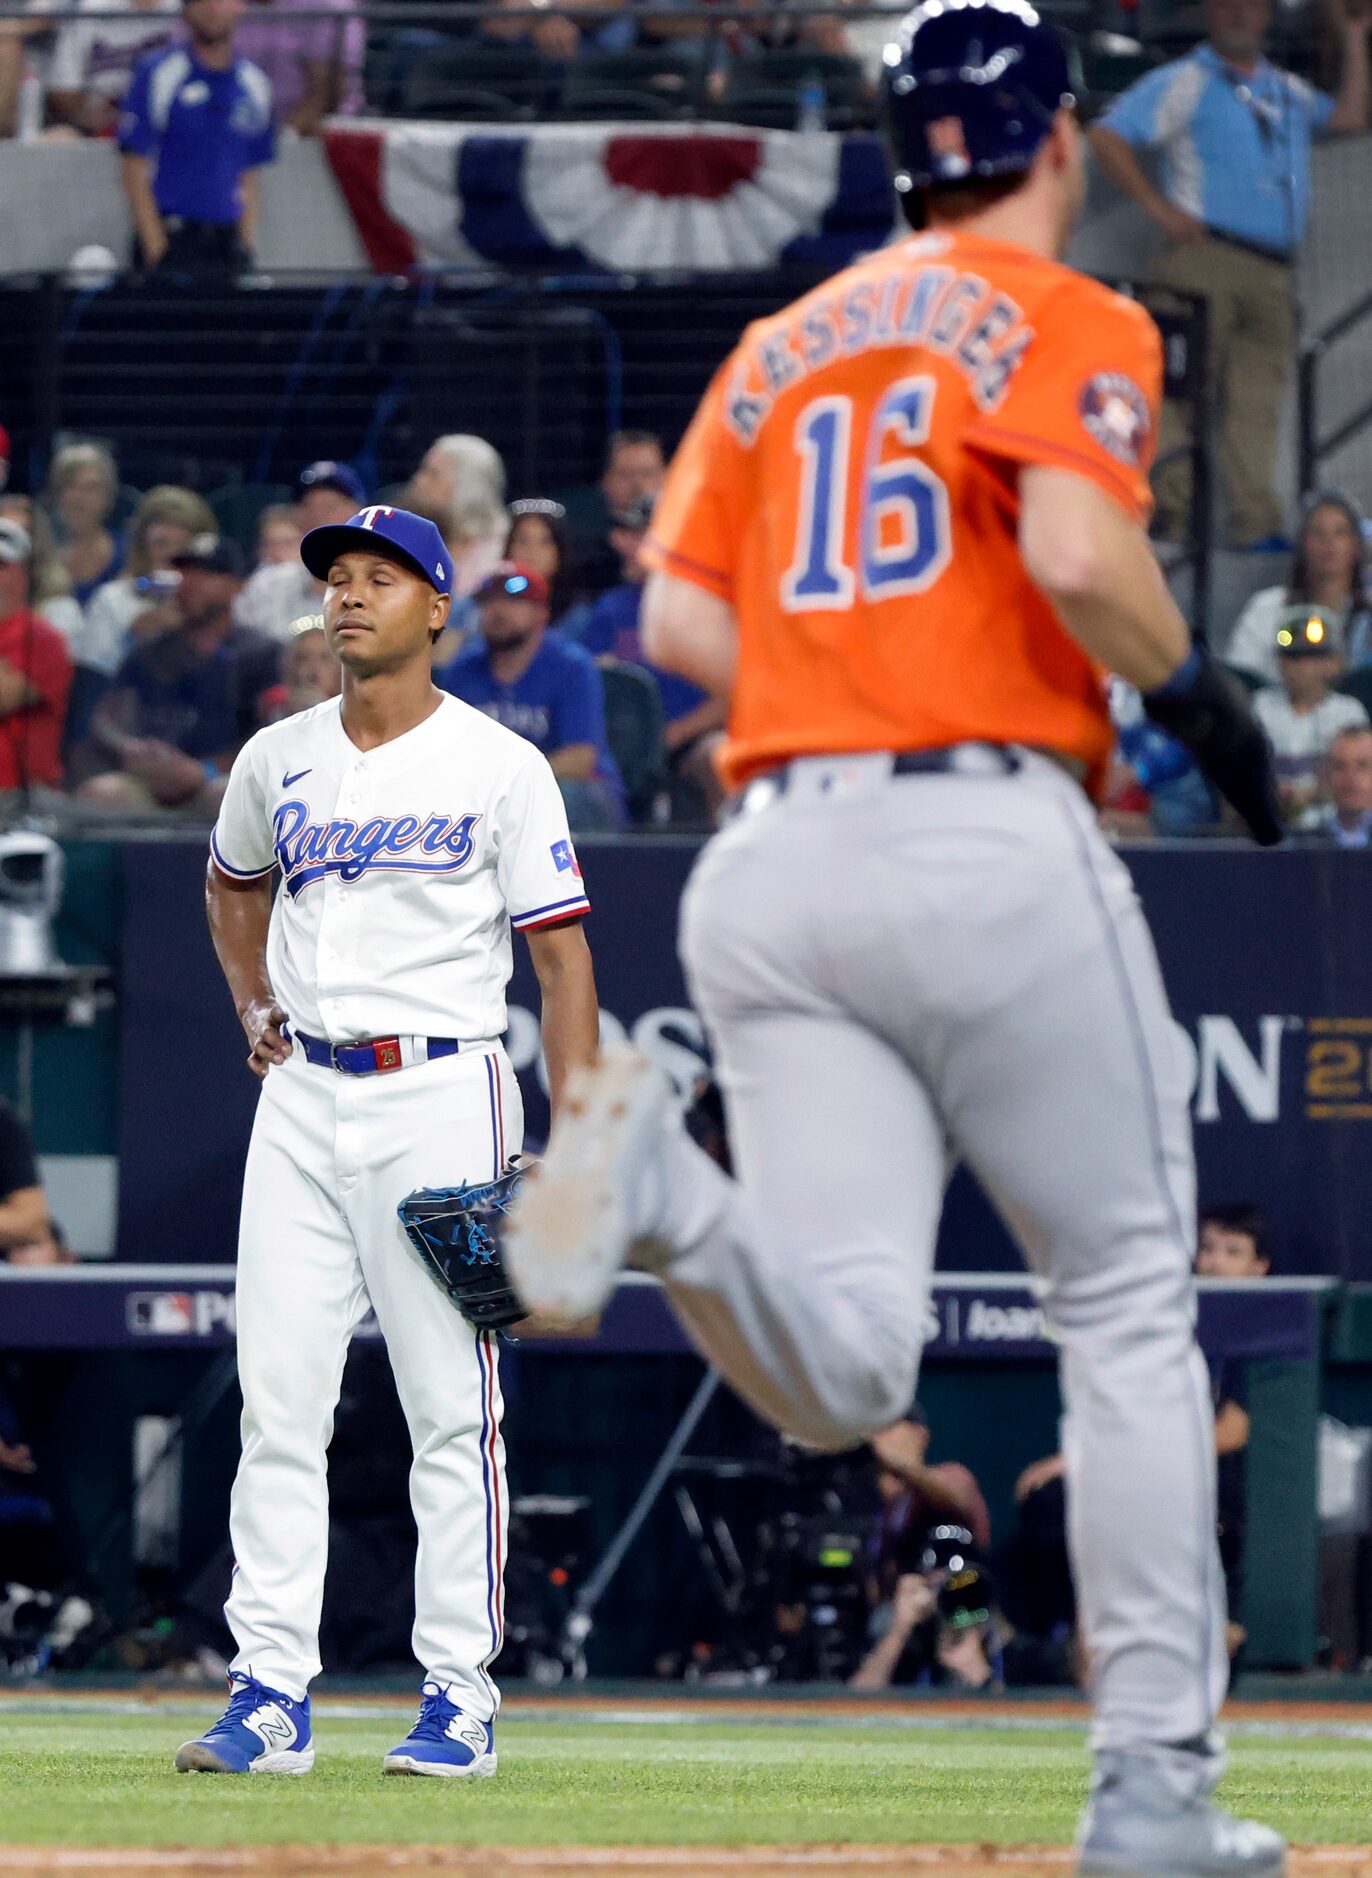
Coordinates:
(953,312)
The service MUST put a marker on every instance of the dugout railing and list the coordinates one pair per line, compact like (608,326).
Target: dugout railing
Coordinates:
(1323,435)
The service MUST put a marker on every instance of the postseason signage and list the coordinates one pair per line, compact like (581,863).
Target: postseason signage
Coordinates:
(978,1319)
(1266,958)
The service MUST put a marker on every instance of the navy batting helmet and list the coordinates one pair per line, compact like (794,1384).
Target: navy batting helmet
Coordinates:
(972,87)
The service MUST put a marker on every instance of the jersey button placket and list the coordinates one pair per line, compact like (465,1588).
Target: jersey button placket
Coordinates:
(338,933)
(329,946)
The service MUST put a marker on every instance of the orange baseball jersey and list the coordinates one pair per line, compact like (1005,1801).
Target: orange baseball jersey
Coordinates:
(849,484)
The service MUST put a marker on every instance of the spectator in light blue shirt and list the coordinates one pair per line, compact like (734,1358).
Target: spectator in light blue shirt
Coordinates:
(1234,135)
(195,129)
(541,687)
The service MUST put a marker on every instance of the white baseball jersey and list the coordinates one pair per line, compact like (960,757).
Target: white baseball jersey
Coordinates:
(403,868)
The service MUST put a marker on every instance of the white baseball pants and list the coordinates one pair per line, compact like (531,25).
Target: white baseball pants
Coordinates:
(893,968)
(331,1158)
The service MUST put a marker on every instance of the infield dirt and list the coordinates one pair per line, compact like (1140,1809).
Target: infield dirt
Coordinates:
(370,1861)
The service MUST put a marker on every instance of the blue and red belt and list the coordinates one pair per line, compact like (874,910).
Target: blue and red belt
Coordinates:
(376,1056)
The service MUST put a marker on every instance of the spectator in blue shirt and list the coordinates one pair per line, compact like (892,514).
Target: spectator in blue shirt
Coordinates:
(693,720)
(541,687)
(195,129)
(1234,134)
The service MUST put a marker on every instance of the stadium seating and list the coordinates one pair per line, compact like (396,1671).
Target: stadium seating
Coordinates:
(765,89)
(633,726)
(489,83)
(650,83)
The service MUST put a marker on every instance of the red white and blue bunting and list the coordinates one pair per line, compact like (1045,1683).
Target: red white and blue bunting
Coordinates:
(704,198)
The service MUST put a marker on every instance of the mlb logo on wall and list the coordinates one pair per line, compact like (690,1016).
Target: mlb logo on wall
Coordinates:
(161,1313)
(564,858)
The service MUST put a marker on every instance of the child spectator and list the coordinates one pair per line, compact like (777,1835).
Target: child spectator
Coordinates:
(1302,713)
(1235,1241)
(1329,571)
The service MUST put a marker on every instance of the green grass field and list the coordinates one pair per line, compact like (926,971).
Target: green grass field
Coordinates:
(78,1773)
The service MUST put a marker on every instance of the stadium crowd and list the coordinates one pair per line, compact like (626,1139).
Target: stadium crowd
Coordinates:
(142,644)
(62,74)
(142,641)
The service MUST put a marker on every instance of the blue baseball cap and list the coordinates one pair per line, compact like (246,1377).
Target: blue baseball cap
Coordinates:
(395,533)
(972,88)
(330,475)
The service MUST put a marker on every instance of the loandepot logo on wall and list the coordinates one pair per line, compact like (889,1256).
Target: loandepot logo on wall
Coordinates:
(1253,1068)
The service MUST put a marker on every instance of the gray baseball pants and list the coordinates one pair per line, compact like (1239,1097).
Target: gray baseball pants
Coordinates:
(896,970)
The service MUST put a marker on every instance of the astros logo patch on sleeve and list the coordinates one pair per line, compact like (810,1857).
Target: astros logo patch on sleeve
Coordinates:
(1115,413)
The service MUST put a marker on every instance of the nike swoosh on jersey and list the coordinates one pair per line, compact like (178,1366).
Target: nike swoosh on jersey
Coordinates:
(287,781)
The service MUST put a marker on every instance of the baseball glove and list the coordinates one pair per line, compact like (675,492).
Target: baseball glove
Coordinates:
(455,1232)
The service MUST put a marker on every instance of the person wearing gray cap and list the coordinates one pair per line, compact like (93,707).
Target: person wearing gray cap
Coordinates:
(326,494)
(35,676)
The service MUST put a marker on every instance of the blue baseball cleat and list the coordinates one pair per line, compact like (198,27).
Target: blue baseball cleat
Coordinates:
(260,1732)
(444,1741)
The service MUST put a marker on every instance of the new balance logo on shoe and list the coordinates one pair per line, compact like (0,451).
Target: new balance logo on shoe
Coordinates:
(272,1726)
(471,1733)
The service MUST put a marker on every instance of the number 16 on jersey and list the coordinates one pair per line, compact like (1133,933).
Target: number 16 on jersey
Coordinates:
(903,527)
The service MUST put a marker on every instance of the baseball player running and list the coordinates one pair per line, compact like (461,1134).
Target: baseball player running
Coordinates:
(906,534)
(410,834)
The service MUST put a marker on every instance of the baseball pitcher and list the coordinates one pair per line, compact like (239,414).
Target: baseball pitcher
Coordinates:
(410,834)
